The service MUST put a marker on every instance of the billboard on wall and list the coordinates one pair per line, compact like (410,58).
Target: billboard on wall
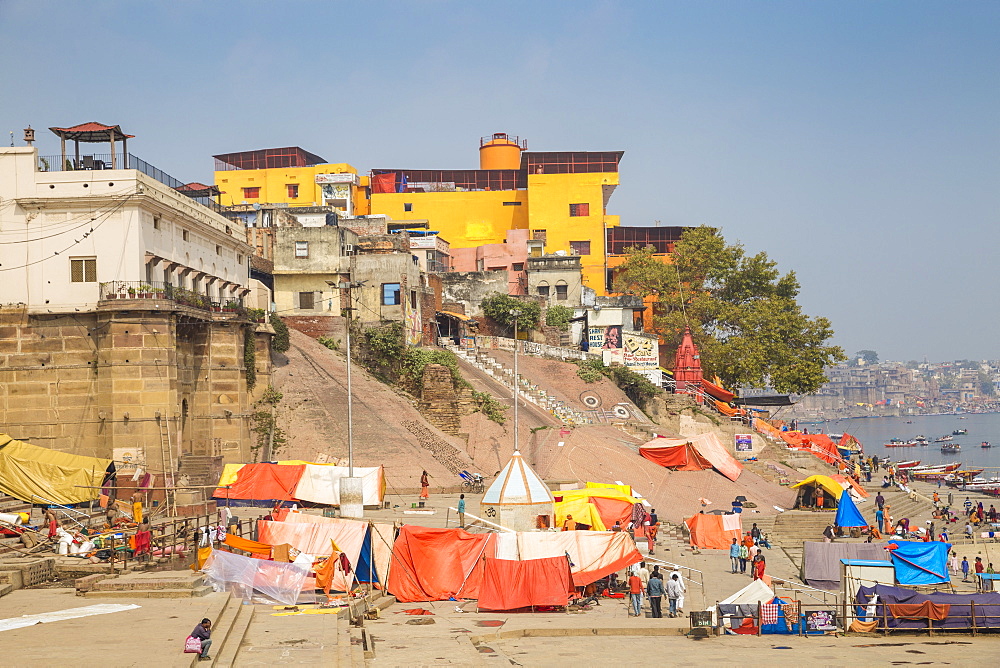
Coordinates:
(640,352)
(609,337)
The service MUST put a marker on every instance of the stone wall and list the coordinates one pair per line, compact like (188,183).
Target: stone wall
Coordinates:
(319,325)
(148,384)
(440,403)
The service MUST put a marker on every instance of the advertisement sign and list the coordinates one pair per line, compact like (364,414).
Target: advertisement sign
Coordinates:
(744,443)
(337,178)
(641,352)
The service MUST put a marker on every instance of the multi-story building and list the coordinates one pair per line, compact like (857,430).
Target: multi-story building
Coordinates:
(122,326)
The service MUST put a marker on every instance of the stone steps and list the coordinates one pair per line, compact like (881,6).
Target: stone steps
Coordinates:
(236,629)
(149,593)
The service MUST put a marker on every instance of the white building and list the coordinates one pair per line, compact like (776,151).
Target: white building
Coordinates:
(71,238)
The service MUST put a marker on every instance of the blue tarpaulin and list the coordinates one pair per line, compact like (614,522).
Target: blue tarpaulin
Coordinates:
(848,514)
(919,563)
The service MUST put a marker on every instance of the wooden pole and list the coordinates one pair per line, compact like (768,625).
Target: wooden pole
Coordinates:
(972,606)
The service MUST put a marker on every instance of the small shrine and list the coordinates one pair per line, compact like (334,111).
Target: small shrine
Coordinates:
(518,499)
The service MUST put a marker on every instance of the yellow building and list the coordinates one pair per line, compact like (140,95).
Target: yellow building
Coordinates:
(560,197)
(289,176)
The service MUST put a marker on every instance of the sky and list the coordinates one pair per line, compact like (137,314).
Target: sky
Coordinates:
(857,143)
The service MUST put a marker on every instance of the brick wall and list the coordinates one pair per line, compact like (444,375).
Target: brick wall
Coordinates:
(440,403)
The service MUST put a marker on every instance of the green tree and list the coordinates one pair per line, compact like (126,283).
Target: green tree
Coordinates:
(869,356)
(743,314)
(558,316)
(499,306)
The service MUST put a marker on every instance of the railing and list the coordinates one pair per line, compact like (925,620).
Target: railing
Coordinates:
(799,588)
(101,161)
(155,290)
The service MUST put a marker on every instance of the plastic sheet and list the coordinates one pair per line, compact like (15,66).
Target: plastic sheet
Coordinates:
(257,580)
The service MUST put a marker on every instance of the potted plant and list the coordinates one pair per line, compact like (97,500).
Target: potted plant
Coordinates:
(145,291)
(131,292)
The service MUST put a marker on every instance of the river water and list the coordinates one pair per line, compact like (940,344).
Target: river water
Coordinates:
(875,432)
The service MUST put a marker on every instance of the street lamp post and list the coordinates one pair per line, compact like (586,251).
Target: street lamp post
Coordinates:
(351,488)
(515,313)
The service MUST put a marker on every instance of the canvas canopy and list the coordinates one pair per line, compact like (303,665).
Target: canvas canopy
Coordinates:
(821,560)
(857,491)
(848,514)
(257,579)
(624,489)
(260,482)
(437,564)
(747,598)
(593,554)
(714,532)
(314,538)
(320,483)
(826,482)
(39,475)
(958,615)
(583,512)
(680,457)
(611,504)
(920,563)
(509,585)
(818,444)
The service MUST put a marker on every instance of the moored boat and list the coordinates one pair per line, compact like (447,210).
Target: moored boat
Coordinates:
(908,464)
(950,447)
(985,444)
(944,439)
(960,432)
(931,468)
(899,443)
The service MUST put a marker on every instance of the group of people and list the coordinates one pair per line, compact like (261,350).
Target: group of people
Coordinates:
(743,552)
(647,521)
(651,584)
(978,567)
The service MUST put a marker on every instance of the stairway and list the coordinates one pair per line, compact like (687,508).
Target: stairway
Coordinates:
(525,389)
(150,585)
(793,527)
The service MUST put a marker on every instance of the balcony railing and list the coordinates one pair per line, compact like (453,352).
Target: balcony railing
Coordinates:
(154,290)
(100,161)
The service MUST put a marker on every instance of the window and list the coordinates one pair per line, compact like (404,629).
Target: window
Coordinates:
(413,299)
(517,266)
(561,292)
(576,210)
(185,236)
(293,190)
(390,294)
(218,249)
(637,320)
(301,249)
(407,206)
(156,222)
(579,247)
(512,204)
(239,259)
(83,270)
(251,193)
(538,235)
(307,300)
(543,290)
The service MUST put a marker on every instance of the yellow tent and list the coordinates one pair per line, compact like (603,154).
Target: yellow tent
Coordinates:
(601,492)
(826,482)
(624,489)
(229,474)
(40,475)
(582,511)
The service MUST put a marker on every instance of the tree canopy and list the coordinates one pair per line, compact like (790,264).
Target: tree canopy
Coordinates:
(869,356)
(501,307)
(743,313)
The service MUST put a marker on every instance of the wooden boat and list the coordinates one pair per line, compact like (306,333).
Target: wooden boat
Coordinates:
(960,432)
(950,447)
(931,468)
(908,464)
(899,443)
(960,477)
(944,439)
(985,444)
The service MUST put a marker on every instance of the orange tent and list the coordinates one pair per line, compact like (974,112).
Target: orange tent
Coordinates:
(844,480)
(437,564)
(508,585)
(681,457)
(715,532)
(818,444)
(260,482)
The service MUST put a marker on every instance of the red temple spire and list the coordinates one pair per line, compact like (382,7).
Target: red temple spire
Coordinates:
(687,364)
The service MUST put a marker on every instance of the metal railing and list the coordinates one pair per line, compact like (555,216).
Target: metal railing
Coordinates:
(102,161)
(156,290)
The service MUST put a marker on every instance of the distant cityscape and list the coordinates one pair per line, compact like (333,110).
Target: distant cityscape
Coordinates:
(866,386)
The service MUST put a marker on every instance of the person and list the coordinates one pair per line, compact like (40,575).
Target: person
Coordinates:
(965,569)
(989,569)
(674,591)
(992,513)
(425,486)
(744,557)
(569,524)
(734,555)
(52,520)
(885,482)
(979,509)
(936,499)
(951,499)
(653,519)
(651,530)
(880,501)
(461,510)
(635,594)
(967,504)
(748,540)
(979,567)
(203,632)
(643,573)
(759,566)
(655,592)
(755,534)
(953,562)
(879,516)
(819,498)
(828,534)
(968,530)
(617,526)
(680,581)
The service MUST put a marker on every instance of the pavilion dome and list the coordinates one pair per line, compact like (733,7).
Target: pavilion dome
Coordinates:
(517,484)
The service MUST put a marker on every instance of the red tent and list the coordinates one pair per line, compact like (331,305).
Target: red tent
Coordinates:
(680,457)
(714,532)
(437,564)
(262,482)
(508,585)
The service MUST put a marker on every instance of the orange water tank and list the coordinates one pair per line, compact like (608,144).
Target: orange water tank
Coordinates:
(501,151)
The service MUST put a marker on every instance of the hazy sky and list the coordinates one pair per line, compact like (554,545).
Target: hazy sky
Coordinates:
(856,142)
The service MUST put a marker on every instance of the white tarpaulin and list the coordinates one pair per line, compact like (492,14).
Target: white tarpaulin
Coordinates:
(256,579)
(60,615)
(312,535)
(320,483)
(594,553)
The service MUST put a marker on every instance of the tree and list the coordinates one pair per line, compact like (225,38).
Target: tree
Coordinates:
(743,314)
(869,356)
(558,316)
(499,307)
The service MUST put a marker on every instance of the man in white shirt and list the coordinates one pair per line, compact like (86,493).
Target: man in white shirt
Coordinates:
(674,591)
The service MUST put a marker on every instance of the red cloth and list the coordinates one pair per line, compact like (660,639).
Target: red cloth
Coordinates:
(52,528)
(678,457)
(431,564)
(384,183)
(264,482)
(612,510)
(925,610)
(508,585)
(707,532)
(758,570)
(143,540)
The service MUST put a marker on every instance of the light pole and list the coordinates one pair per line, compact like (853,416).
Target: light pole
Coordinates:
(515,313)
(351,488)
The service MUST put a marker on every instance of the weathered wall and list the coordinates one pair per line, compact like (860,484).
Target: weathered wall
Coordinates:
(440,403)
(469,288)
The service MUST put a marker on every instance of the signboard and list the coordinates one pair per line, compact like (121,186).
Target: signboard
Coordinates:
(337,178)
(609,337)
(744,442)
(641,352)
(429,243)
(127,459)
